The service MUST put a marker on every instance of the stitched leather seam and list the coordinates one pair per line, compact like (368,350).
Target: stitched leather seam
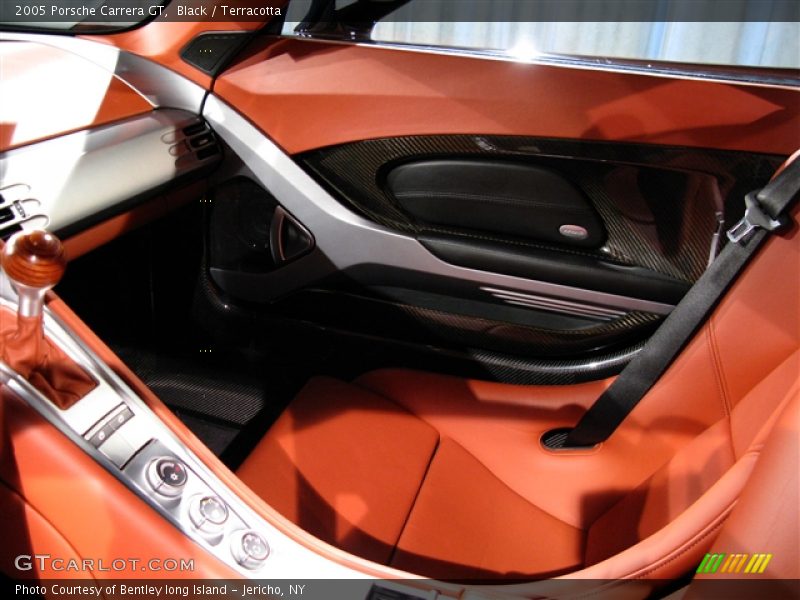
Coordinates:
(480,462)
(719,378)
(393,554)
(718,368)
(713,527)
(722,392)
(686,547)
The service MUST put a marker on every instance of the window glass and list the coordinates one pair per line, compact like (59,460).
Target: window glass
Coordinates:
(514,28)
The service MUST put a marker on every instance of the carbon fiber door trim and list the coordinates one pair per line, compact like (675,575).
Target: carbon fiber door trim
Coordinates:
(658,203)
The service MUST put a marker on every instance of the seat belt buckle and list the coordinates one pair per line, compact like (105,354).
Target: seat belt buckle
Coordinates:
(754,218)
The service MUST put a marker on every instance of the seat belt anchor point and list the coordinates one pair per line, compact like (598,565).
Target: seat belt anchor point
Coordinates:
(754,218)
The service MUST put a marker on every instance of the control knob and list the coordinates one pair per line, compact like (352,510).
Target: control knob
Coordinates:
(249,548)
(208,514)
(167,476)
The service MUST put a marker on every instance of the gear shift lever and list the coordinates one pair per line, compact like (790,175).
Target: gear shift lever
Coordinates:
(34,262)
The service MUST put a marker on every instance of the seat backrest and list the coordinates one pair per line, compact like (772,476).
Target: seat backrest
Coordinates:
(730,445)
(754,335)
(766,519)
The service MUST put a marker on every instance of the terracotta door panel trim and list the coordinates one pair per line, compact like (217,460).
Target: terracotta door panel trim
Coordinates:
(343,93)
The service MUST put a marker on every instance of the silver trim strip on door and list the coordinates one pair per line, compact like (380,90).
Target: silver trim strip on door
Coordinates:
(721,74)
(770,77)
(554,304)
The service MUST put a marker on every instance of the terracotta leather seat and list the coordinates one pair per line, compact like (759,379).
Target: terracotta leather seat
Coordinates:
(446,478)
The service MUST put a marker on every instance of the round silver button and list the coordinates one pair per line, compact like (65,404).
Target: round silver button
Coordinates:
(167,476)
(208,513)
(249,548)
(214,510)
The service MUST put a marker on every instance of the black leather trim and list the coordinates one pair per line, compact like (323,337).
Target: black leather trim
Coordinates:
(496,196)
(564,268)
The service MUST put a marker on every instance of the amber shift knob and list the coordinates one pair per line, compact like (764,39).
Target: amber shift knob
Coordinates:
(34,261)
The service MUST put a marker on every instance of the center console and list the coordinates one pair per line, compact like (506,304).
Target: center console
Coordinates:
(114,426)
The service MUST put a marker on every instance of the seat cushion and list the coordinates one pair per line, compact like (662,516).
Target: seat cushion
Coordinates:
(363,474)
(467,524)
(345,465)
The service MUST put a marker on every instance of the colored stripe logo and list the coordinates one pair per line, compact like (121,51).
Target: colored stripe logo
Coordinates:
(746,564)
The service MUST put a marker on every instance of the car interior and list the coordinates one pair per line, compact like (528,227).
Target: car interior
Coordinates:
(330,309)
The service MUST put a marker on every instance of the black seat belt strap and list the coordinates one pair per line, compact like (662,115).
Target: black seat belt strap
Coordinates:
(765,212)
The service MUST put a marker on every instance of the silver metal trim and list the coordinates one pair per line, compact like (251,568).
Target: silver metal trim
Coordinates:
(23,208)
(542,306)
(31,299)
(346,241)
(554,304)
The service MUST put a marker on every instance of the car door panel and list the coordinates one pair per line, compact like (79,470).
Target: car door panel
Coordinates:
(480,205)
